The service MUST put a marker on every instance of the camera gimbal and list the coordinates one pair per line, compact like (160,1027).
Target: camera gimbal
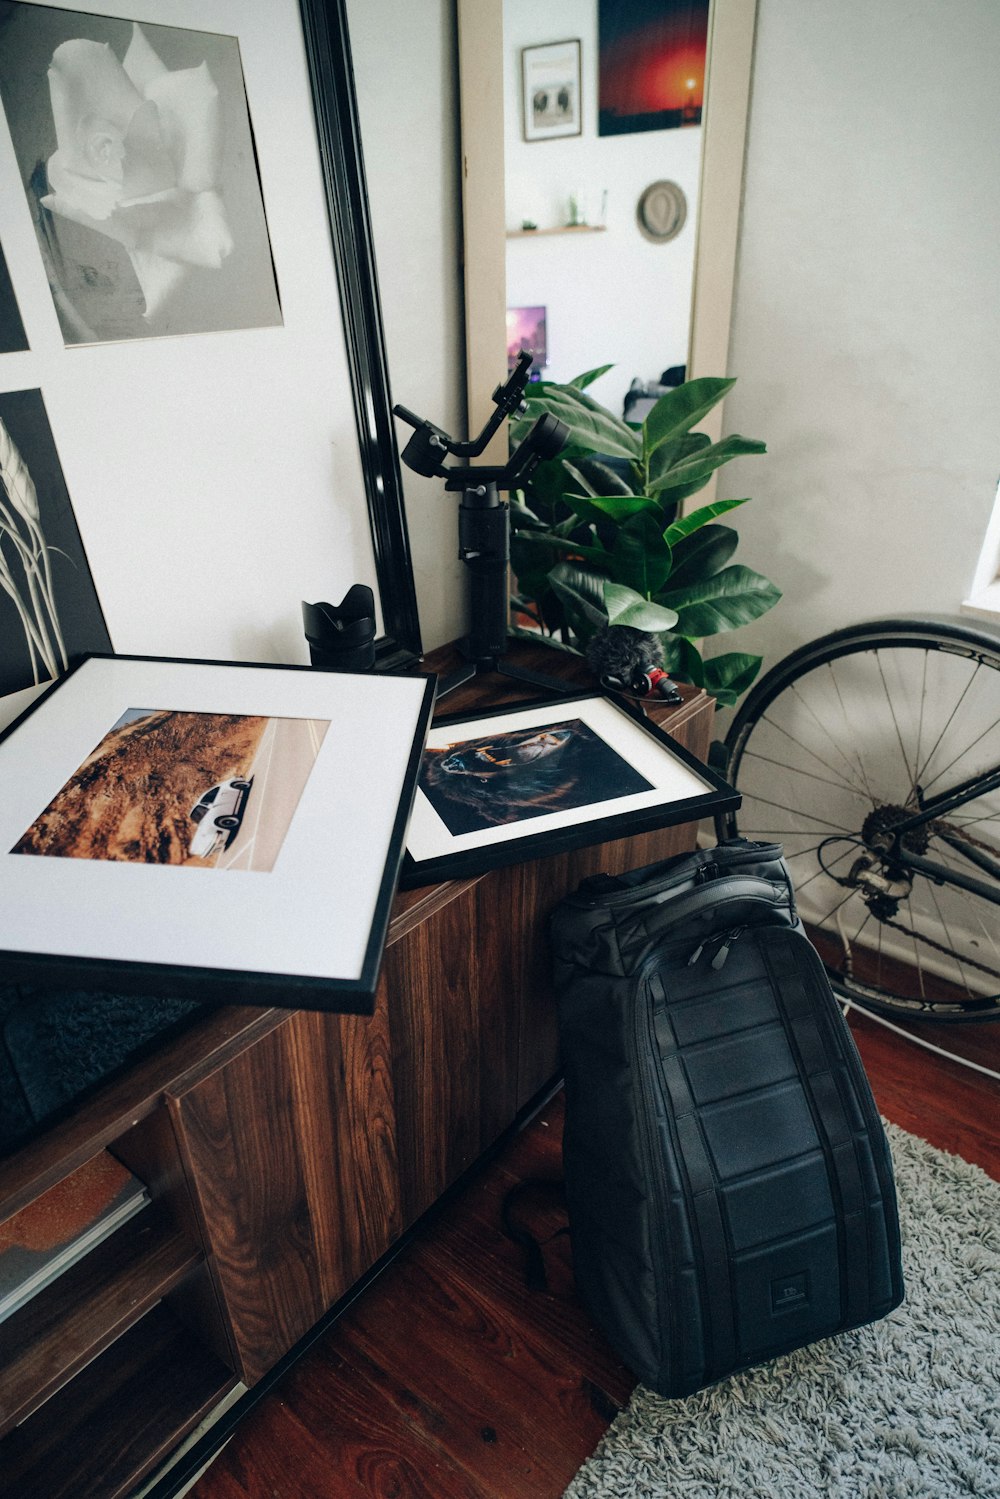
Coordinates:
(484,519)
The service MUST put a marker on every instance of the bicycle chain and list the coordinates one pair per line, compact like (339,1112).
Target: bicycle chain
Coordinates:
(962,836)
(939,947)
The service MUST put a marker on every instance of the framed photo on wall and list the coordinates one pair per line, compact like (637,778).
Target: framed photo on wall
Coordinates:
(49,608)
(197,829)
(541,778)
(651,64)
(12,335)
(551,90)
(185,224)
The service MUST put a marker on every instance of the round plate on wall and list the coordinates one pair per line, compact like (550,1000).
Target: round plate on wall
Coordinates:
(661,211)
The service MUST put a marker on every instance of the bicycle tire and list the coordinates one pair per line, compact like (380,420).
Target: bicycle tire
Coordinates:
(827,780)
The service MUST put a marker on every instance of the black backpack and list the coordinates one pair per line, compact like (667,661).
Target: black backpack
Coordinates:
(728,1179)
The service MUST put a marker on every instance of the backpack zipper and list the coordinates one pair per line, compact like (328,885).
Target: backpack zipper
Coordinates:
(722,942)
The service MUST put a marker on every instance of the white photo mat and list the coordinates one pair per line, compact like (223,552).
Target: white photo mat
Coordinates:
(675,781)
(245,441)
(313,916)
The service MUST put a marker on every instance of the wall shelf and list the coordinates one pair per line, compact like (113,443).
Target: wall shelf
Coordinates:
(560,229)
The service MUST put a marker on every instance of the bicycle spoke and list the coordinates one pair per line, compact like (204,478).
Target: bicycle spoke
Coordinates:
(837,827)
(946,726)
(919,968)
(989,732)
(845,785)
(910,771)
(949,939)
(798,771)
(826,869)
(852,737)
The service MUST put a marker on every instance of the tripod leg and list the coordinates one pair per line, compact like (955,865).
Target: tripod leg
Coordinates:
(456,678)
(536,678)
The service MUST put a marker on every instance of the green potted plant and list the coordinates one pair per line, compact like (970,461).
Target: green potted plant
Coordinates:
(598,537)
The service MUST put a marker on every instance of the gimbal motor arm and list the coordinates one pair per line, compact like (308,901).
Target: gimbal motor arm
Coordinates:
(484,519)
(429,446)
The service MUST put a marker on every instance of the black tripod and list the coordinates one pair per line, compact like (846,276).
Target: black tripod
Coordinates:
(484,521)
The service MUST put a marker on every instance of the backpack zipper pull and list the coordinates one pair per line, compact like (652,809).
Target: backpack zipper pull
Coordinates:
(722,953)
(692,960)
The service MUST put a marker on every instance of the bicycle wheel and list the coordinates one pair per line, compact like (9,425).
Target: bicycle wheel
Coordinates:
(841,741)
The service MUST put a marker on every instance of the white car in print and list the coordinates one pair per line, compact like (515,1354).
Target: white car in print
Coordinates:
(218,813)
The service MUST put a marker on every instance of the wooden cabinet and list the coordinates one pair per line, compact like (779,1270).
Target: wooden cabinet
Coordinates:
(285,1152)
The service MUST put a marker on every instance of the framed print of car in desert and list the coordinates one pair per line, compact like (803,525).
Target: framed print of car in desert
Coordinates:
(208,830)
(541,778)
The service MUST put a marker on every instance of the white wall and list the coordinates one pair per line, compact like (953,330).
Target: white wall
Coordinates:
(612,298)
(405,73)
(866,337)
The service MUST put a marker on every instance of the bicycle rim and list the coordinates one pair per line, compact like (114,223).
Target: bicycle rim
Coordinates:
(836,744)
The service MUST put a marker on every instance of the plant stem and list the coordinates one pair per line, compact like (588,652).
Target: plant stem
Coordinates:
(35,648)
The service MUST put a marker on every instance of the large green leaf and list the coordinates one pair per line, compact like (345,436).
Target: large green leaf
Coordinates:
(682,659)
(701,555)
(733,597)
(531,567)
(621,507)
(667,454)
(544,491)
(728,677)
(694,471)
(595,478)
(680,409)
(640,558)
(579,382)
(683,527)
(581,594)
(564,546)
(591,426)
(521,514)
(626,607)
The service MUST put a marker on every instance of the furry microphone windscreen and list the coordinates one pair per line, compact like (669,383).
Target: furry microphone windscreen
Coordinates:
(623,653)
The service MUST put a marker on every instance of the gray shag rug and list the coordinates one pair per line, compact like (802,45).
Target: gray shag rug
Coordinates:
(906,1408)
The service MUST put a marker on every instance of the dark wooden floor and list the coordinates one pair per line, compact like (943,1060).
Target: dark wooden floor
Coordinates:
(448,1378)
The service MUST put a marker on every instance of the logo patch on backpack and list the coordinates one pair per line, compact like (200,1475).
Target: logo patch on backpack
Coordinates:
(789,1293)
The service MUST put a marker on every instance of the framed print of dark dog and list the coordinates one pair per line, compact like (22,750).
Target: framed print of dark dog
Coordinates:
(540,778)
(266,413)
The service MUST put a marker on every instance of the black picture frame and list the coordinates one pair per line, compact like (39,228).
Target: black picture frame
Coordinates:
(552,90)
(326,93)
(559,804)
(299,925)
(338,129)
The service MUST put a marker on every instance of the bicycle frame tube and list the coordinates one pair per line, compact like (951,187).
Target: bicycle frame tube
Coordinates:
(938,806)
(942,876)
(947,801)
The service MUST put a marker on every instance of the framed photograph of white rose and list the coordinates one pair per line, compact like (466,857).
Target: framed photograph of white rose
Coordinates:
(185,221)
(136,153)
